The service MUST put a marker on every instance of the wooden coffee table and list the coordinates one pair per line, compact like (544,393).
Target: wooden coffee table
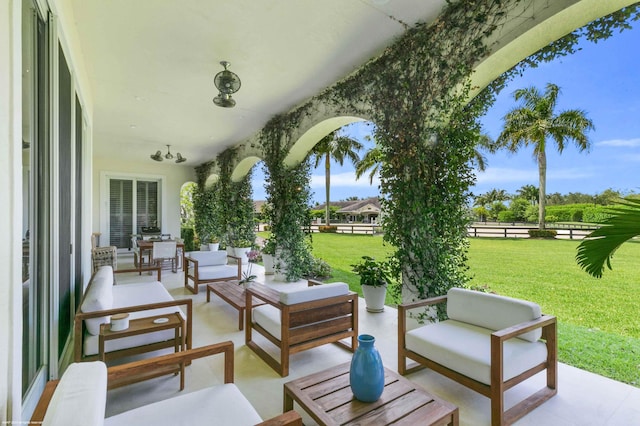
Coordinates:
(232,293)
(328,399)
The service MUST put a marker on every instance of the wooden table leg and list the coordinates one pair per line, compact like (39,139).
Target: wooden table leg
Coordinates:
(287,403)
(241,319)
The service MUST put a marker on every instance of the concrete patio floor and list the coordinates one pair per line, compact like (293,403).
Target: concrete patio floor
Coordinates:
(583,398)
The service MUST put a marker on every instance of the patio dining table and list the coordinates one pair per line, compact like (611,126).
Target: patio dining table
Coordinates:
(147,246)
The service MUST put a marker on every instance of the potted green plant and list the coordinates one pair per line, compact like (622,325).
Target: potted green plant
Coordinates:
(268,252)
(374,278)
(214,243)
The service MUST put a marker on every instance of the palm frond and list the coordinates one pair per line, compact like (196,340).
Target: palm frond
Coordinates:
(599,246)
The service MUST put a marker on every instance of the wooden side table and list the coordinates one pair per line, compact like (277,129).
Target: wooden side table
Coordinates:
(147,325)
(327,397)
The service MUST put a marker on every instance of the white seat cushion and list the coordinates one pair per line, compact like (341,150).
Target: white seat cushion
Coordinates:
(99,297)
(221,405)
(80,397)
(269,318)
(492,311)
(217,272)
(466,348)
(290,297)
(136,294)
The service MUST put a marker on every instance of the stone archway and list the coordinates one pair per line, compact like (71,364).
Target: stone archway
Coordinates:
(422,94)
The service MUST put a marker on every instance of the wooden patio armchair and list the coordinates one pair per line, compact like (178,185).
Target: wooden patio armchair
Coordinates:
(299,320)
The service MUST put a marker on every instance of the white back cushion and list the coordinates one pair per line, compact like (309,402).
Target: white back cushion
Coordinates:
(289,297)
(99,297)
(80,397)
(209,258)
(492,311)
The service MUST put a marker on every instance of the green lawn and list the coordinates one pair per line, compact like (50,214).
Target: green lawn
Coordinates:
(599,326)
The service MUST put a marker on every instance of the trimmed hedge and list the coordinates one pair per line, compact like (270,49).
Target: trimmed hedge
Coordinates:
(328,228)
(542,233)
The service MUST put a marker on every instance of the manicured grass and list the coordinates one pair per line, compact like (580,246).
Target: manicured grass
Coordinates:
(599,329)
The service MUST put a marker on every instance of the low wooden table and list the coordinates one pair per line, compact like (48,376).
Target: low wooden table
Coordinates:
(232,293)
(142,326)
(327,397)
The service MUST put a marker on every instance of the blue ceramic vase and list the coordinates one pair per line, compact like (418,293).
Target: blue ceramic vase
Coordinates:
(366,375)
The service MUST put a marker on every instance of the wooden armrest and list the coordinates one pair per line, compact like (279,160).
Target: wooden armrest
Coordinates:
(312,282)
(151,364)
(290,418)
(518,329)
(134,308)
(158,270)
(266,294)
(424,302)
(43,402)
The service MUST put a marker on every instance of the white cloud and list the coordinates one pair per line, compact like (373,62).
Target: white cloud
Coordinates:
(624,143)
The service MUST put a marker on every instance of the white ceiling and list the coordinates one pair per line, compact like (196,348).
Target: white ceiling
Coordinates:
(151,64)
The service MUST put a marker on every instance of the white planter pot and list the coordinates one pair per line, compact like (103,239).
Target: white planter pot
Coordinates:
(280,269)
(374,297)
(268,260)
(241,252)
(214,246)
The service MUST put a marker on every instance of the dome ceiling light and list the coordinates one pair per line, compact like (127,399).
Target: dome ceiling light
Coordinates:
(169,156)
(227,83)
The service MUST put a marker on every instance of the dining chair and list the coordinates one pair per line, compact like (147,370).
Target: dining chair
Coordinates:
(165,251)
(139,256)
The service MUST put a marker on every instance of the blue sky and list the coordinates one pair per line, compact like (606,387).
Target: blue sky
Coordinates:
(602,79)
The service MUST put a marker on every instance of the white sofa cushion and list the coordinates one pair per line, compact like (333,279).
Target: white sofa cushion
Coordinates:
(80,397)
(269,318)
(99,297)
(221,405)
(130,295)
(217,272)
(492,311)
(209,258)
(290,297)
(466,348)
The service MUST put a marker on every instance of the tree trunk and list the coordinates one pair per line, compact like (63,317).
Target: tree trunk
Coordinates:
(542,202)
(327,183)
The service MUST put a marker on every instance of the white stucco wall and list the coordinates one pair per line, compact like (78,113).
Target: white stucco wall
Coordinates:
(173,175)
(11,212)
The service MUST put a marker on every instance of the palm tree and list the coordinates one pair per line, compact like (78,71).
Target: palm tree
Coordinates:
(372,161)
(529,193)
(339,148)
(600,245)
(533,122)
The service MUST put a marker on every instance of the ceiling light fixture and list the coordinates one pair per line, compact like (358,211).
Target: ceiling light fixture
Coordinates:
(227,83)
(169,156)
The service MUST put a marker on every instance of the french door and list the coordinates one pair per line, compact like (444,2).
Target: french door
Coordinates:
(133,204)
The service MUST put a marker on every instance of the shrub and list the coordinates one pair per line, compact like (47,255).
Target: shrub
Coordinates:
(319,269)
(542,233)
(551,218)
(506,216)
(187,235)
(576,215)
(328,228)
